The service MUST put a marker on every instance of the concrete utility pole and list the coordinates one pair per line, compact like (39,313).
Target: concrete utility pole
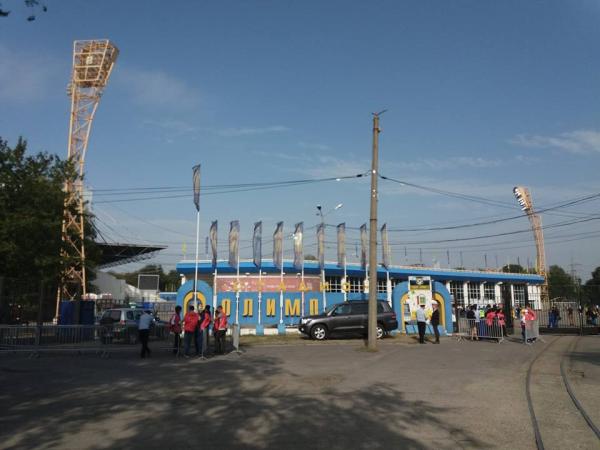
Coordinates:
(372,336)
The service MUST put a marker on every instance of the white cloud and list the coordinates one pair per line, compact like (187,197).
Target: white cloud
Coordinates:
(249,131)
(579,141)
(25,77)
(157,89)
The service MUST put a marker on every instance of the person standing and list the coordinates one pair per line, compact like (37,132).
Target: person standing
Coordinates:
(145,322)
(435,322)
(205,320)
(472,325)
(175,326)
(421,323)
(570,316)
(190,328)
(220,328)
(501,320)
(490,315)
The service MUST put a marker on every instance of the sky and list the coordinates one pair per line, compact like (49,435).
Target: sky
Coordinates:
(481,96)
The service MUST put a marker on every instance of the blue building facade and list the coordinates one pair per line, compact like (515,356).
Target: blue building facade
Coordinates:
(272,297)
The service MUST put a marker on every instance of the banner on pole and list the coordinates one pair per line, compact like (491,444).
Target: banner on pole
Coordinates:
(234,239)
(257,244)
(321,245)
(341,244)
(196,185)
(363,246)
(385,247)
(278,245)
(298,246)
(213,242)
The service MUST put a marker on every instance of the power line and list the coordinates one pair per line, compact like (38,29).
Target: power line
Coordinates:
(240,188)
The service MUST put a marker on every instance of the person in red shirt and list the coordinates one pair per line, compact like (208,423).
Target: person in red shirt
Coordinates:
(220,328)
(501,320)
(175,328)
(489,317)
(190,328)
(205,321)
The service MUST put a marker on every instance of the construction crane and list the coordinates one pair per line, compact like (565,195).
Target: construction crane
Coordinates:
(524,198)
(93,62)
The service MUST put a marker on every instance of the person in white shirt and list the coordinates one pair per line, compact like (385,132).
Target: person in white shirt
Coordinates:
(421,323)
(146,320)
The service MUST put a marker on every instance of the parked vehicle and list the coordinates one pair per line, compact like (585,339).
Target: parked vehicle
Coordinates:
(348,317)
(122,323)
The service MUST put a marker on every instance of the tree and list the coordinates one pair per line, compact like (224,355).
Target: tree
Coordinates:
(591,288)
(31,211)
(561,284)
(513,268)
(33,5)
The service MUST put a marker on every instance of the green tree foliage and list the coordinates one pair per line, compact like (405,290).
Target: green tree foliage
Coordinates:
(591,288)
(513,268)
(31,210)
(33,5)
(561,284)
(168,281)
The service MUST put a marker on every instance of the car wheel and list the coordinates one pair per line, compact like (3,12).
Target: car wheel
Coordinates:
(319,332)
(380,331)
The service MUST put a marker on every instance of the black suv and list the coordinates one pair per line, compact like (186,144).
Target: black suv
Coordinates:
(349,317)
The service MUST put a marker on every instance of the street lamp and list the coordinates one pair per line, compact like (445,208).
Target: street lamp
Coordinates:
(320,211)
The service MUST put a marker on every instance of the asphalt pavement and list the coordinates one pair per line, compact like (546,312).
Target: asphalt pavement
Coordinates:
(334,395)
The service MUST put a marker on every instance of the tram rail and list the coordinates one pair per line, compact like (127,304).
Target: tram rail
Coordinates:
(568,387)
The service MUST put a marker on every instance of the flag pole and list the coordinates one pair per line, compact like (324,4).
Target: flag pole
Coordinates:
(345,280)
(281,286)
(259,292)
(303,287)
(196,260)
(237,291)
(196,190)
(215,289)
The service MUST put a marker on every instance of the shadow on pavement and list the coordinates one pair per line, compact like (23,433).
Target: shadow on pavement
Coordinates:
(227,403)
(586,357)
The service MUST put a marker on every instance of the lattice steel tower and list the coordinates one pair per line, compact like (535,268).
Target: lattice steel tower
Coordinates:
(524,198)
(93,62)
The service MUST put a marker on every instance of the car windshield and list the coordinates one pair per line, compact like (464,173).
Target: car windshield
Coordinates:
(329,309)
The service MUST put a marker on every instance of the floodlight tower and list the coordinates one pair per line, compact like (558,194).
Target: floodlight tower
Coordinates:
(93,62)
(524,198)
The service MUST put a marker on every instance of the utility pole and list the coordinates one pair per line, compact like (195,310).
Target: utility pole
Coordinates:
(372,325)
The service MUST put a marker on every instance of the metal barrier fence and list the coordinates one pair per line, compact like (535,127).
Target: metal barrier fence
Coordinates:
(530,330)
(99,339)
(567,315)
(479,329)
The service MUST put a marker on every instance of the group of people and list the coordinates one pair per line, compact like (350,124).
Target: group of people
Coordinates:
(196,328)
(422,322)
(491,315)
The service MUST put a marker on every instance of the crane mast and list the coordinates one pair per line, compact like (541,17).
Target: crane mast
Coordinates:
(524,198)
(93,62)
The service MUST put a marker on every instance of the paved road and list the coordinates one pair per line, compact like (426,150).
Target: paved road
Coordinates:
(331,396)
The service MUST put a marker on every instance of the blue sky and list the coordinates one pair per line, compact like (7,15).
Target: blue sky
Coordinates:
(481,96)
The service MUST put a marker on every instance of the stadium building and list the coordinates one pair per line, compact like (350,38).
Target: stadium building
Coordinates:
(276,298)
